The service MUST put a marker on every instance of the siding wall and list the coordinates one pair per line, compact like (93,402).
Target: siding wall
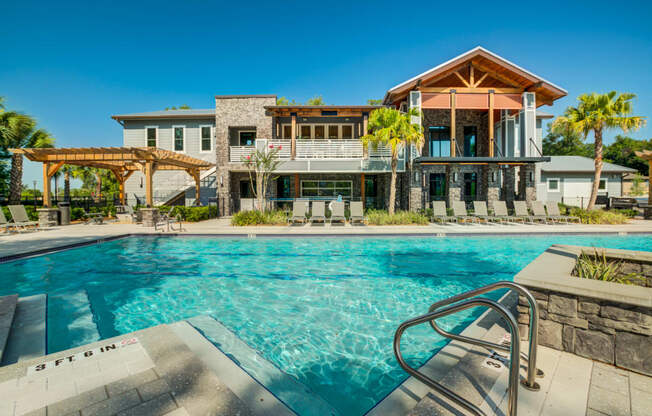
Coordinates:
(167,182)
(575,187)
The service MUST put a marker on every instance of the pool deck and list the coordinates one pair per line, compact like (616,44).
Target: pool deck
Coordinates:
(65,236)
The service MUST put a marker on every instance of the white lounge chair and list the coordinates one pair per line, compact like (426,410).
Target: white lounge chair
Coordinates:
(337,212)
(439,212)
(318,212)
(298,212)
(459,211)
(500,212)
(3,221)
(540,212)
(553,212)
(20,218)
(480,211)
(357,212)
(521,212)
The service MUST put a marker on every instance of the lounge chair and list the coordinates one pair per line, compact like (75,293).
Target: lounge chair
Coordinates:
(500,212)
(553,212)
(127,211)
(3,221)
(480,211)
(337,212)
(540,212)
(318,212)
(439,212)
(19,217)
(168,220)
(357,212)
(298,212)
(459,211)
(521,211)
(93,217)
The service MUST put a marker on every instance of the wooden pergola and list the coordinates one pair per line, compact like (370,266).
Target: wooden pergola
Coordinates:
(647,155)
(122,161)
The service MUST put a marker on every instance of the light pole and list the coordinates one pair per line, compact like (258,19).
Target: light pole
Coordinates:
(34,182)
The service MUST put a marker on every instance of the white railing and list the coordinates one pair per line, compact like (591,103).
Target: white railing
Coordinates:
(380,151)
(329,149)
(240,152)
(286,148)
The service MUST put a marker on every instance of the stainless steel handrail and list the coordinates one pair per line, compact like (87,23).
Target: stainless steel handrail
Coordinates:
(531,358)
(514,352)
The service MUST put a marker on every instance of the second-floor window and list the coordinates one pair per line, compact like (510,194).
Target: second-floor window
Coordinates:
(470,133)
(206,138)
(440,141)
(151,136)
(178,138)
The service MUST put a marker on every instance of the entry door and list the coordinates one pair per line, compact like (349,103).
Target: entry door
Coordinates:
(440,141)
(437,186)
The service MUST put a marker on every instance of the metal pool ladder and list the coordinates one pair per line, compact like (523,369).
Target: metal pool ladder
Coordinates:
(469,300)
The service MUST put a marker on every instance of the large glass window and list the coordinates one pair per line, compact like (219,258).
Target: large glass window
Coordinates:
(287,132)
(283,187)
(246,191)
(440,141)
(437,186)
(332,131)
(178,139)
(470,186)
(470,133)
(347,132)
(326,188)
(320,132)
(151,136)
(206,139)
(247,138)
(306,132)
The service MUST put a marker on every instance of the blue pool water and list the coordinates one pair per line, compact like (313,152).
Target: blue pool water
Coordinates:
(322,310)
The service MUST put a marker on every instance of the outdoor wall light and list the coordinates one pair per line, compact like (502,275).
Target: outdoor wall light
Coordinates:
(493,176)
(454,176)
(531,176)
(141,182)
(221,180)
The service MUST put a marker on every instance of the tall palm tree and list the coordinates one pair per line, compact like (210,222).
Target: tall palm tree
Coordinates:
(19,131)
(390,127)
(597,113)
(67,173)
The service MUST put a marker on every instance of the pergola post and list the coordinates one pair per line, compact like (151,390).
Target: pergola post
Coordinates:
(49,169)
(293,139)
(195,175)
(122,177)
(149,174)
(453,128)
(491,123)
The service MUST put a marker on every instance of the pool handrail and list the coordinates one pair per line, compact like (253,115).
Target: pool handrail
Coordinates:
(531,358)
(514,351)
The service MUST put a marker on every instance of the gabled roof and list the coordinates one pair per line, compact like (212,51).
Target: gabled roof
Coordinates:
(580,164)
(168,114)
(486,61)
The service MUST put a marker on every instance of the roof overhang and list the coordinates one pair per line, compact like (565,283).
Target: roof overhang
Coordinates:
(175,116)
(317,110)
(425,160)
(487,62)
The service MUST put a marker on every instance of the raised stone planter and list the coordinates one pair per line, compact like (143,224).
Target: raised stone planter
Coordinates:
(48,217)
(150,216)
(604,321)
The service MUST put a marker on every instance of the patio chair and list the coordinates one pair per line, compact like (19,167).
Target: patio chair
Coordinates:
(337,213)
(298,212)
(480,211)
(500,212)
(439,212)
(459,211)
(318,212)
(3,221)
(540,212)
(168,221)
(553,212)
(19,217)
(521,211)
(128,210)
(357,212)
(93,217)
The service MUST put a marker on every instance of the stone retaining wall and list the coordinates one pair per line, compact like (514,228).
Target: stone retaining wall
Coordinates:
(602,330)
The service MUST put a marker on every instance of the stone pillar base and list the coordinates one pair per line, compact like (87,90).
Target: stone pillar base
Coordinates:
(48,217)
(150,216)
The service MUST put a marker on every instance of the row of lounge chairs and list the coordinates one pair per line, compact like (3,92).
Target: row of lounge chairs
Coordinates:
(318,212)
(19,219)
(548,214)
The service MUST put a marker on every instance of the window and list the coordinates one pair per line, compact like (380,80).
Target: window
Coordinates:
(333,131)
(470,185)
(206,138)
(283,188)
(603,185)
(437,186)
(246,191)
(151,136)
(287,131)
(326,189)
(470,133)
(247,138)
(306,131)
(440,141)
(179,133)
(319,132)
(347,132)
(553,185)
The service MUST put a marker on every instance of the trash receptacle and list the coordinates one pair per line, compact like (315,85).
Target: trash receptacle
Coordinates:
(64,208)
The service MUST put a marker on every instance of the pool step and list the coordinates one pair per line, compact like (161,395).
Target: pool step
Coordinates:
(286,388)
(7,310)
(27,334)
(482,384)
(80,328)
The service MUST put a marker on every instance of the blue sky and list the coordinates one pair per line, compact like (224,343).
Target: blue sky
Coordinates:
(75,65)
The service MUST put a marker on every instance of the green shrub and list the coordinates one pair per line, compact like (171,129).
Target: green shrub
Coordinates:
(192,214)
(381,217)
(599,216)
(245,218)
(77,214)
(629,213)
(598,267)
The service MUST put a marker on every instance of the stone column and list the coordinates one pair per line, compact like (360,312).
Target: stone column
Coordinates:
(527,185)
(509,183)
(224,191)
(455,182)
(492,183)
(415,196)
(47,217)
(150,216)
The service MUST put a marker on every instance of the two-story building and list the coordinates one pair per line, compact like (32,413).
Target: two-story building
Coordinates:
(479,117)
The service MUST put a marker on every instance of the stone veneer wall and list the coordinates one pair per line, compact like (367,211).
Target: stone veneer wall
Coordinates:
(463,118)
(601,330)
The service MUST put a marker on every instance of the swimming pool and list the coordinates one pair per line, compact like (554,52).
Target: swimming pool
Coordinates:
(323,310)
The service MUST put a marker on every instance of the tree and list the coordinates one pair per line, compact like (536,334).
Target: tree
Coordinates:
(622,152)
(262,164)
(181,107)
(560,142)
(637,185)
(390,127)
(285,101)
(316,100)
(19,131)
(597,113)
(373,101)
(67,173)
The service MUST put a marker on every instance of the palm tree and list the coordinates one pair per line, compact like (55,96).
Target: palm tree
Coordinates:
(597,113)
(19,131)
(390,127)
(67,172)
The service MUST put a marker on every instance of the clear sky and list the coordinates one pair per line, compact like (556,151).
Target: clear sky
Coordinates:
(74,64)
